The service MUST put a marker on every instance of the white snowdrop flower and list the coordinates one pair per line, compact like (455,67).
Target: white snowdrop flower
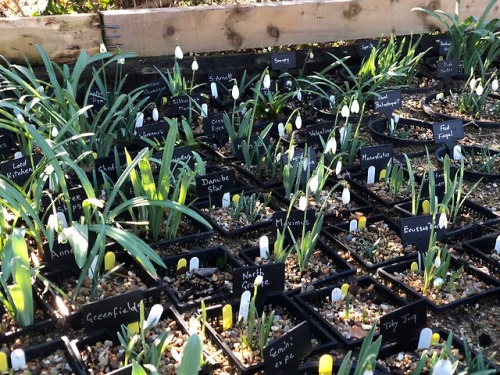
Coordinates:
(266,82)
(278,157)
(479,90)
(345,111)
(314,183)
(342,133)
(62,238)
(355,106)
(235,92)
(289,83)
(346,195)
(472,84)
(440,96)
(139,121)
(369,370)
(40,89)
(298,121)
(298,94)
(443,367)
(102,48)
(155,115)
(438,282)
(121,61)
(178,52)
(338,167)
(437,261)
(443,220)
(311,55)
(281,129)
(54,132)
(331,146)
(494,85)
(194,65)
(302,203)
(258,280)
(332,100)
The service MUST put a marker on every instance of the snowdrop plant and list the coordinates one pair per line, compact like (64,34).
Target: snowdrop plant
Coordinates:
(473,98)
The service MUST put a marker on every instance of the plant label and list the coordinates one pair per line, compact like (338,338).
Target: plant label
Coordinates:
(448,132)
(424,339)
(255,141)
(308,163)
(194,264)
(226,200)
(4,364)
(439,185)
(223,79)
(227,317)
(444,46)
(214,185)
(447,68)
(20,169)
(18,359)
(353,225)
(282,355)
(387,102)
(294,223)
(214,126)
(246,296)
(318,134)
(96,99)
(213,90)
(283,61)
(336,295)
(497,245)
(110,313)
(155,132)
(155,90)
(416,230)
(183,104)
(273,275)
(264,247)
(370,176)
(365,47)
(377,156)
(77,196)
(182,156)
(400,323)
(107,165)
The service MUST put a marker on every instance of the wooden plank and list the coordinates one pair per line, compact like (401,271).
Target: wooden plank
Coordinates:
(155,32)
(62,37)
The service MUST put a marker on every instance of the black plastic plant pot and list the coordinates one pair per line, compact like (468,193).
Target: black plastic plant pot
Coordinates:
(394,273)
(411,127)
(394,250)
(259,180)
(471,174)
(321,340)
(322,106)
(328,267)
(485,221)
(336,209)
(358,181)
(312,368)
(431,110)
(223,221)
(388,353)
(369,292)
(187,289)
(90,350)
(482,250)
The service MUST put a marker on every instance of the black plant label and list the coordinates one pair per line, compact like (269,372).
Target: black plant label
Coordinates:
(223,78)
(297,161)
(182,104)
(273,275)
(214,126)
(283,61)
(401,323)
(183,154)
(386,102)
(318,134)
(96,99)
(377,156)
(214,185)
(297,219)
(416,230)
(107,165)
(365,47)
(447,68)
(255,141)
(110,313)
(444,46)
(156,132)
(448,132)
(282,355)
(20,170)
(439,185)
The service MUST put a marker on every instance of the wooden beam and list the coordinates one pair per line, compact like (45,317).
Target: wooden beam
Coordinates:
(155,32)
(62,37)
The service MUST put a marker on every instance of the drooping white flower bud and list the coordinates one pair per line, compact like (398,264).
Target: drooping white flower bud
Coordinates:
(440,96)
(102,48)
(302,203)
(437,261)
(355,106)
(346,195)
(258,280)
(494,85)
(139,121)
(155,115)
(479,90)
(314,183)
(298,121)
(298,94)
(120,61)
(178,52)
(204,110)
(235,92)
(472,84)
(438,282)
(338,167)
(331,146)
(266,82)
(194,65)
(443,220)
(345,111)
(443,367)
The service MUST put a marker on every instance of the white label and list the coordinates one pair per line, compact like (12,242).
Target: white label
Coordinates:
(194,264)
(264,247)
(353,225)
(18,359)
(336,295)
(244,305)
(370,179)
(226,200)
(213,90)
(424,341)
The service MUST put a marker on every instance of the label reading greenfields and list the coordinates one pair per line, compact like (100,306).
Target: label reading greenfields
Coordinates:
(110,313)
